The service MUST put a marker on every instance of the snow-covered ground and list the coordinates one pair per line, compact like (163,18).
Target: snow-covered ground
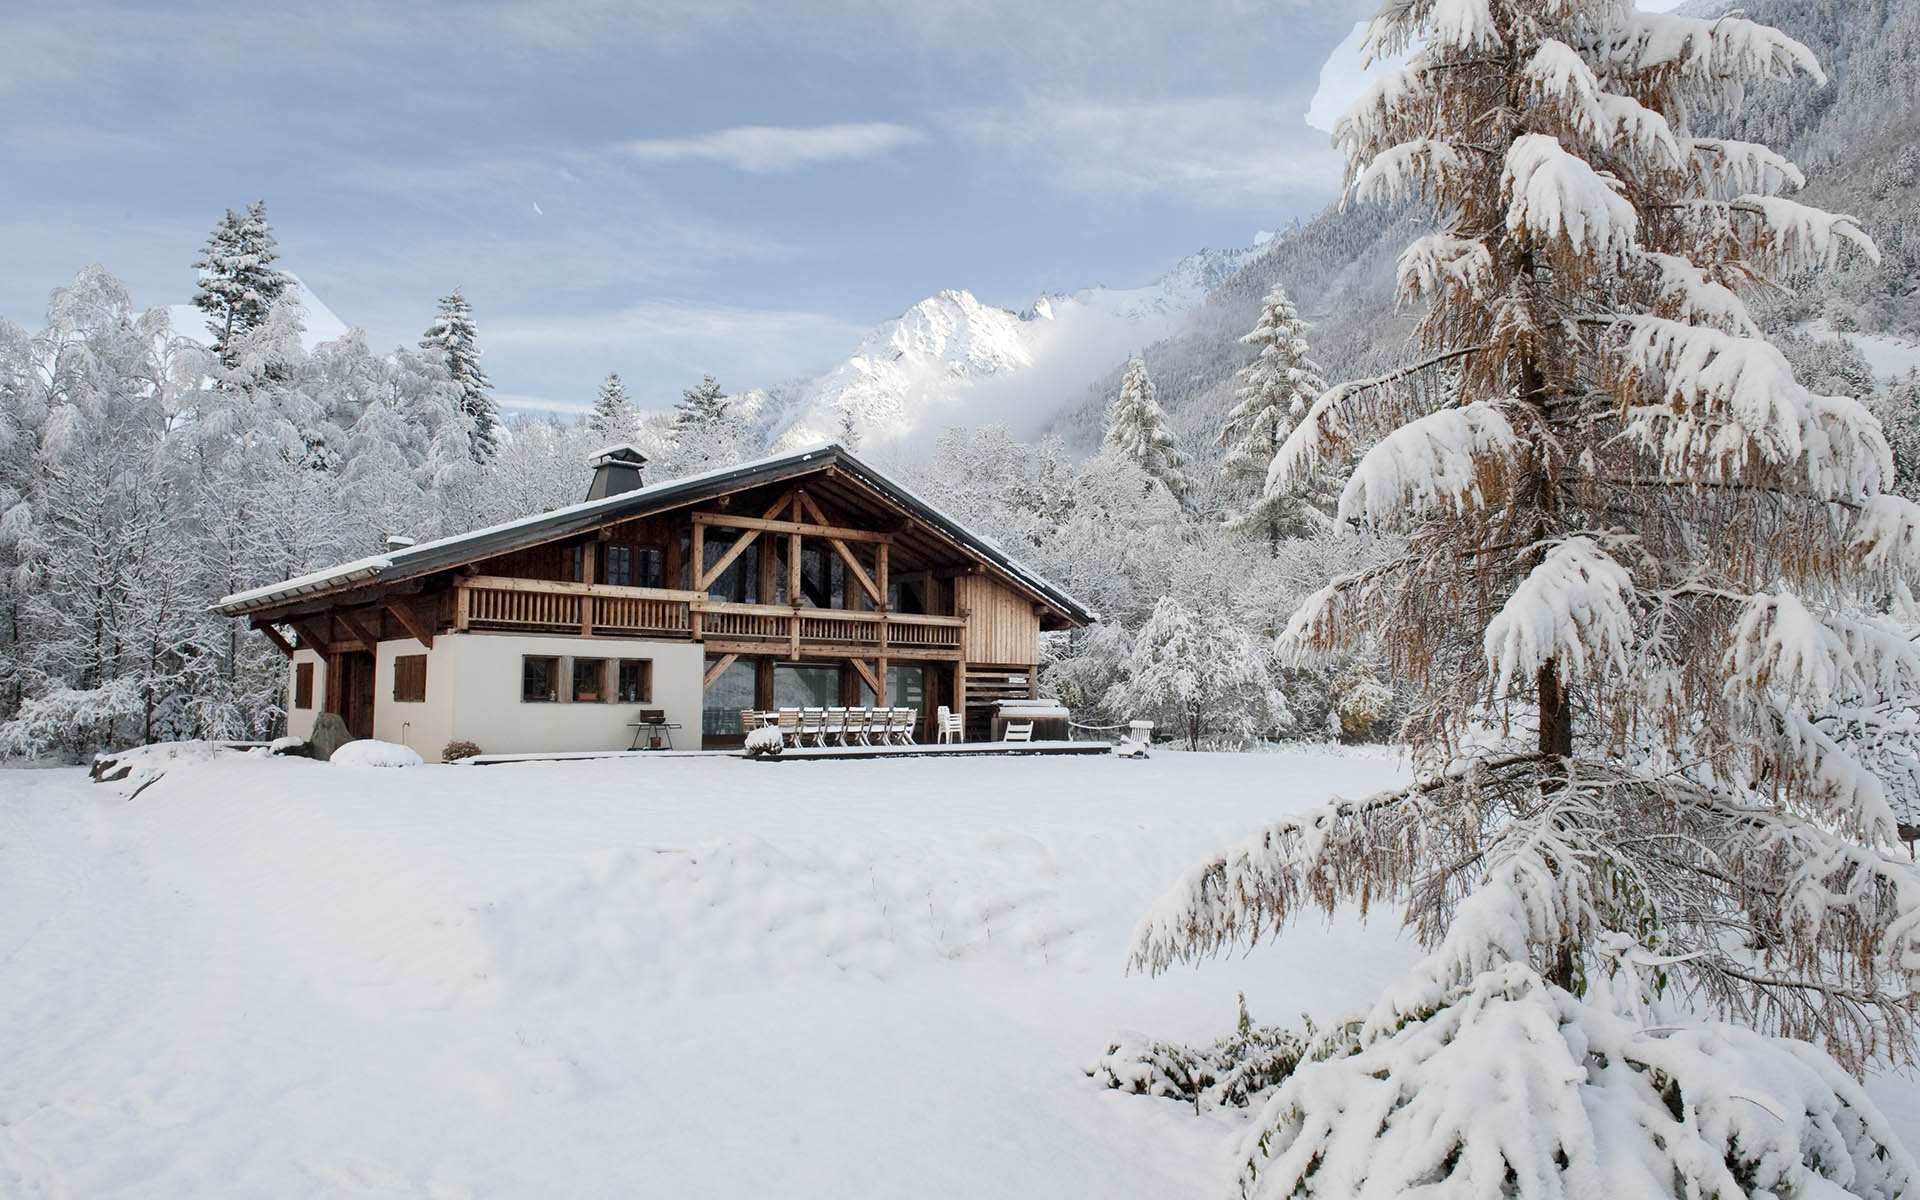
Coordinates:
(661,977)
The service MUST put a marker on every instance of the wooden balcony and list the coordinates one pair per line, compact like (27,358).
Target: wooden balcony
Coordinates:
(498,604)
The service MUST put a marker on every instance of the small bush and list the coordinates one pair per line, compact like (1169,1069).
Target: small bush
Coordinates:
(456,751)
(765,742)
(1235,1070)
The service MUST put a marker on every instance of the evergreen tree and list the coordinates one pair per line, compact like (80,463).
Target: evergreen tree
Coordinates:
(238,284)
(849,431)
(1275,390)
(612,417)
(1635,545)
(701,410)
(454,336)
(704,434)
(1137,429)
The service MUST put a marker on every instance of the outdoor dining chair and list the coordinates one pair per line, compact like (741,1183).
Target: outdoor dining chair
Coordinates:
(788,719)
(813,724)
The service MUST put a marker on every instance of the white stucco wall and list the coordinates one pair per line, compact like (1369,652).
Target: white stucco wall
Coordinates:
(486,708)
(473,694)
(427,726)
(300,720)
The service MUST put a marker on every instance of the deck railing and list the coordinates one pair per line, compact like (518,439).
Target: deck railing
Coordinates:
(488,602)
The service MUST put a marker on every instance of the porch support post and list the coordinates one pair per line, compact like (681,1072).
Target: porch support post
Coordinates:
(718,669)
(276,637)
(410,621)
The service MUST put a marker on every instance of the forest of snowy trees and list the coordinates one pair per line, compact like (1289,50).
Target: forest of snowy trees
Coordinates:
(146,471)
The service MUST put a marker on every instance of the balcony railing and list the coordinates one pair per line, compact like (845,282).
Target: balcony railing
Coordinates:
(487,602)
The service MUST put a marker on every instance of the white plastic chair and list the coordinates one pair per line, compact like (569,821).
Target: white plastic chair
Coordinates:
(1019,731)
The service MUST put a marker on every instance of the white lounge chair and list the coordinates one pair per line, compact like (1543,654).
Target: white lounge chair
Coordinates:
(1019,731)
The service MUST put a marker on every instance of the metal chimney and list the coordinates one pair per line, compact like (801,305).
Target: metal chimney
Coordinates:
(616,469)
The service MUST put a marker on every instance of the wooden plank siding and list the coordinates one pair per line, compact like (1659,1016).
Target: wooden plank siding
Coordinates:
(1002,626)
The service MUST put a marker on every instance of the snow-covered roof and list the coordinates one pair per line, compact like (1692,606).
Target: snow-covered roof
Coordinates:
(448,552)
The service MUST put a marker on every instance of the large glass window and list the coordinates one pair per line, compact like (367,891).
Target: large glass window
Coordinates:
(804,686)
(907,687)
(733,691)
(539,679)
(740,582)
(650,568)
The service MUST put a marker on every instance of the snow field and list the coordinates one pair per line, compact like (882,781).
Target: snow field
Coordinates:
(659,976)
(687,977)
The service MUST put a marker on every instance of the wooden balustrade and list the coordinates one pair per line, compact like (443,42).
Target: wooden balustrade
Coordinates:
(542,606)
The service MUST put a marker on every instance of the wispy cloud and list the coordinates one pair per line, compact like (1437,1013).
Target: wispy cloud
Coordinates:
(681,339)
(1208,150)
(774,149)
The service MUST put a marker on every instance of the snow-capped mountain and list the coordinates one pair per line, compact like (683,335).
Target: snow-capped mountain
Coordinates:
(951,359)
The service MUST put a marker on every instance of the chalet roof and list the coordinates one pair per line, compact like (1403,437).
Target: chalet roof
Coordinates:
(446,553)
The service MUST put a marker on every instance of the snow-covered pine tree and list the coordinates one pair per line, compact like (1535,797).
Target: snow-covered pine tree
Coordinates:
(1633,543)
(453,334)
(849,430)
(238,283)
(1137,428)
(612,416)
(1275,390)
(704,437)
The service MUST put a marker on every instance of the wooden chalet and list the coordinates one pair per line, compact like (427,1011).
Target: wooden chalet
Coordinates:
(805,579)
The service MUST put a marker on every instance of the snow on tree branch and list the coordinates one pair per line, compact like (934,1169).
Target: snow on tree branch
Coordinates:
(1454,459)
(1574,609)
(1555,196)
(1732,404)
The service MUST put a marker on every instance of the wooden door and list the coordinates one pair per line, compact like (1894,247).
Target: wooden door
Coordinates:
(357,693)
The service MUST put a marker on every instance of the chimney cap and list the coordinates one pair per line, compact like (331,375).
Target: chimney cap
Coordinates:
(625,454)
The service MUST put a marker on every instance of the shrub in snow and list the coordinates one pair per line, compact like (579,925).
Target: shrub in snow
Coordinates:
(69,721)
(368,752)
(289,746)
(1360,705)
(1195,672)
(1236,1070)
(457,750)
(1635,580)
(765,741)
(1514,1087)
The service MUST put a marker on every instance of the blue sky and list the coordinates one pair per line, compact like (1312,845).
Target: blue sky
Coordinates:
(662,189)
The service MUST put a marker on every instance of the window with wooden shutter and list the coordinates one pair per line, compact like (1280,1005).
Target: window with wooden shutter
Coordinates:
(589,680)
(303,685)
(636,680)
(410,679)
(539,679)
